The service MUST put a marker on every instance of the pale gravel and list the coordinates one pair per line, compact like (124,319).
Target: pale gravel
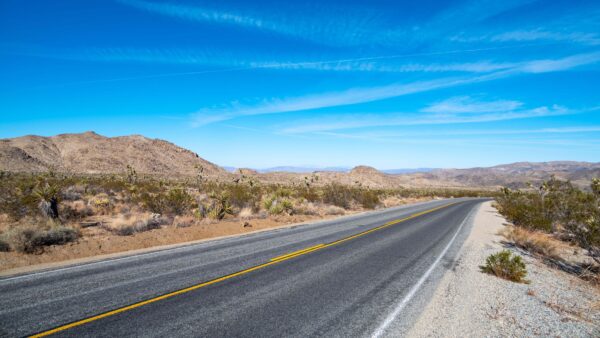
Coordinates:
(469,303)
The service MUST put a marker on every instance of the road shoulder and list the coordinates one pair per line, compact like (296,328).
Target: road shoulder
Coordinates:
(470,303)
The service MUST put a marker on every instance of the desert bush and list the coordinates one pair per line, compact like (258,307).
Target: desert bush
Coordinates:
(175,201)
(32,240)
(243,195)
(245,213)
(128,225)
(369,199)
(184,221)
(4,246)
(75,210)
(220,206)
(333,210)
(506,265)
(308,193)
(179,201)
(557,207)
(275,204)
(337,194)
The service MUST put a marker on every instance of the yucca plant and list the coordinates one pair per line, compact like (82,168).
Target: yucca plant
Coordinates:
(221,206)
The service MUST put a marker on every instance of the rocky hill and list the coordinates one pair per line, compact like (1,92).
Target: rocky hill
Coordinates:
(90,153)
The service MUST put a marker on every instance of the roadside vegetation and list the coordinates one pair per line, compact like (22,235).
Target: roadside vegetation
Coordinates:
(507,265)
(553,220)
(39,210)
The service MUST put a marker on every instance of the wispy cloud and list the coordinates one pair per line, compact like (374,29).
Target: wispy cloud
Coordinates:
(320,24)
(237,59)
(543,35)
(384,135)
(348,97)
(466,104)
(354,121)
(363,95)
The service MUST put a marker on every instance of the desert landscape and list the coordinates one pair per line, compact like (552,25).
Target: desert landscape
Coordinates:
(201,168)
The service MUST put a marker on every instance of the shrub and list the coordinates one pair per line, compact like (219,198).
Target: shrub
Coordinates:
(31,240)
(369,199)
(183,221)
(333,210)
(557,207)
(178,201)
(220,206)
(4,246)
(276,205)
(337,194)
(506,265)
(126,226)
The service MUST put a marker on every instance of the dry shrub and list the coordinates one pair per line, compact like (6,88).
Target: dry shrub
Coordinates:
(126,225)
(184,221)
(506,265)
(75,210)
(333,210)
(100,203)
(307,209)
(246,213)
(533,241)
(32,240)
(4,246)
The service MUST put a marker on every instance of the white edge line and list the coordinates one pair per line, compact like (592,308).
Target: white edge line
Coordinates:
(392,316)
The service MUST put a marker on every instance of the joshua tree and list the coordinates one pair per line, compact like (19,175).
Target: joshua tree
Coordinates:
(48,194)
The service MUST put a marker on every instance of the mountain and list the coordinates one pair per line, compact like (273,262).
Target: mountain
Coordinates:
(90,153)
(305,170)
(519,174)
(407,170)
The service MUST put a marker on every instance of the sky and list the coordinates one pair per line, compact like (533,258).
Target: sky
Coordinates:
(263,83)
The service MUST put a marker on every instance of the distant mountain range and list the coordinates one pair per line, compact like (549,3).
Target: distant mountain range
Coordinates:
(90,153)
(304,170)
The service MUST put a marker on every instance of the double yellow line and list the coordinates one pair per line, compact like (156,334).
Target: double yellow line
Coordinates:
(272,261)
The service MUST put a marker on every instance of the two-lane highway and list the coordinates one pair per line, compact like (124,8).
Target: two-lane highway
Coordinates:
(347,277)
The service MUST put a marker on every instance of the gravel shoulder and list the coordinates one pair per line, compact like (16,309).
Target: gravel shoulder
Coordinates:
(469,303)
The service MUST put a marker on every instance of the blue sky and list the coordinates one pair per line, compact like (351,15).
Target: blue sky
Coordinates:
(387,83)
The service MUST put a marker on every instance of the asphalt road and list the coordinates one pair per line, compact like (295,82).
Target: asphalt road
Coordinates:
(362,275)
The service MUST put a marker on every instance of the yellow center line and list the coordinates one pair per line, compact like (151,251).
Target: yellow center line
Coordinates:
(295,253)
(273,261)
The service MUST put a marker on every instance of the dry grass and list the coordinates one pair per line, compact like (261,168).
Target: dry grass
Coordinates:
(129,224)
(184,221)
(246,213)
(333,210)
(32,238)
(533,241)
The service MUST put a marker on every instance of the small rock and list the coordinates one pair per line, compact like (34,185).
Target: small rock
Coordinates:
(247,225)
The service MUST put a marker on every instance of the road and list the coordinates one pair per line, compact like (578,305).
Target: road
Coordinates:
(361,275)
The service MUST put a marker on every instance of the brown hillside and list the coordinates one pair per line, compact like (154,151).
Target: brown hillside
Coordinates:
(90,153)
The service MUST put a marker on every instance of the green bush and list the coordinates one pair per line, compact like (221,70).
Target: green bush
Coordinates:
(557,207)
(176,201)
(506,265)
